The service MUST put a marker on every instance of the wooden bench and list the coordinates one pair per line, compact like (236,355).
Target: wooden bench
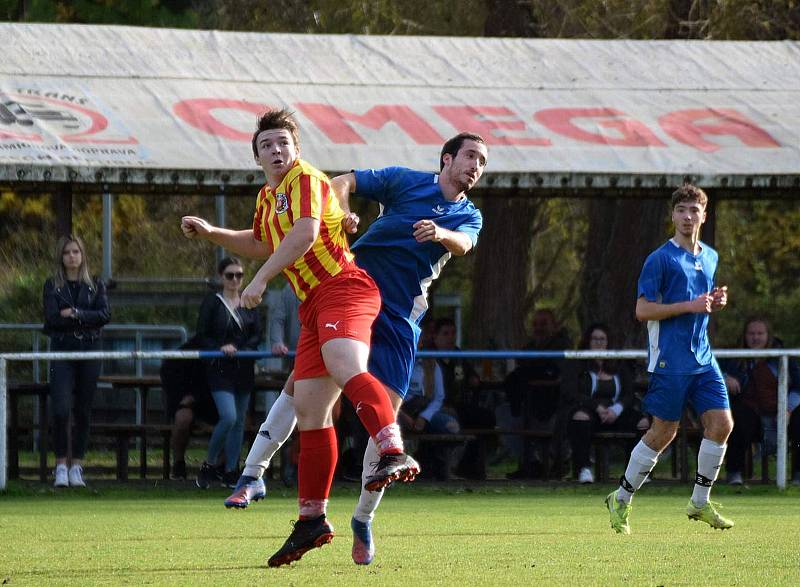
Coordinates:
(15,430)
(602,442)
(123,433)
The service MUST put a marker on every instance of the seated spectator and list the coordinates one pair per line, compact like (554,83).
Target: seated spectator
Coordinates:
(533,390)
(597,396)
(423,410)
(753,389)
(462,388)
(188,400)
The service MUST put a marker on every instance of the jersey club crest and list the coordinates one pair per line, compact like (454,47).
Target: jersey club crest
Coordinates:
(281,203)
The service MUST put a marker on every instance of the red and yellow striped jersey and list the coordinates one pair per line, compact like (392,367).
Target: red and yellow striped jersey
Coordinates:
(305,192)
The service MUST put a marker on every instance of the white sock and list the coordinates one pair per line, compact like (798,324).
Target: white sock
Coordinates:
(368,500)
(709,460)
(279,424)
(643,459)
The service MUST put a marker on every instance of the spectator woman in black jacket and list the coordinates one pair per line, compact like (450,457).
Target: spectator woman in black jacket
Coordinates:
(75,310)
(598,396)
(226,326)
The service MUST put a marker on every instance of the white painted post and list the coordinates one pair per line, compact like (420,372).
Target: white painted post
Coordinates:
(783,390)
(3,425)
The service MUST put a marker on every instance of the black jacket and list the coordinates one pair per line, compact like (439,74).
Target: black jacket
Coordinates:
(182,377)
(577,388)
(91,302)
(216,328)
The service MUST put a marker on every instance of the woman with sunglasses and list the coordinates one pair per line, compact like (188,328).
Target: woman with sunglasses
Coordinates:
(226,326)
(75,309)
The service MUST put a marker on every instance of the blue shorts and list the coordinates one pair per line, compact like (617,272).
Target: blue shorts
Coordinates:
(667,394)
(393,349)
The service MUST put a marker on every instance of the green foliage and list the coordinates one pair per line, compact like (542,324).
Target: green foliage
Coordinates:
(758,243)
(366,17)
(159,13)
(558,259)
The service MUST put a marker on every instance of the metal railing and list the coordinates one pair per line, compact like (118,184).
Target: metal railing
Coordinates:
(781,354)
(140,331)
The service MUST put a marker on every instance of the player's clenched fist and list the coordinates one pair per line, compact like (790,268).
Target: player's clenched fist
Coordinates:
(251,296)
(701,304)
(719,297)
(192,226)
(427,230)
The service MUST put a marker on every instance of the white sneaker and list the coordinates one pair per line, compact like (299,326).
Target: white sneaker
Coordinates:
(61,476)
(585,475)
(76,476)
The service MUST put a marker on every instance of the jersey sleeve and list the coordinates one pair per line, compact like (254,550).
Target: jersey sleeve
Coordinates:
(650,279)
(377,184)
(472,226)
(307,196)
(257,216)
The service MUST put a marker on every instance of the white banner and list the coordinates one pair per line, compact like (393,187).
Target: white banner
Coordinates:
(166,100)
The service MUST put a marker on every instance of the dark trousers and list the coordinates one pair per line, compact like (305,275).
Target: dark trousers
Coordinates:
(72,385)
(580,434)
(473,461)
(747,429)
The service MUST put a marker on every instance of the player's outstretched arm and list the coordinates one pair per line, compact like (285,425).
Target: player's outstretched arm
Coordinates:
(647,310)
(240,242)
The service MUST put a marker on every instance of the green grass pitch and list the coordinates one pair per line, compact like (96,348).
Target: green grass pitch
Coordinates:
(426,535)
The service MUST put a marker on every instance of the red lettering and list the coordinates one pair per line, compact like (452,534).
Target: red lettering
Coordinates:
(36,138)
(199,113)
(334,122)
(477,119)
(687,127)
(632,133)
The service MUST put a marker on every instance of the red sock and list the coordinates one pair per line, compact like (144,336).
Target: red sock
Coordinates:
(317,462)
(374,409)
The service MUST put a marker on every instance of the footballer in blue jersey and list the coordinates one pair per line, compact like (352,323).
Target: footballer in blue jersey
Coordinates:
(676,295)
(402,267)
(425,218)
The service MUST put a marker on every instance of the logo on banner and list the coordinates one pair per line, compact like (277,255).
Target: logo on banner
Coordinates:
(38,125)
(281,204)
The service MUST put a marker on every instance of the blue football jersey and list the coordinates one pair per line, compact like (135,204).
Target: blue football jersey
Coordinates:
(678,345)
(402,267)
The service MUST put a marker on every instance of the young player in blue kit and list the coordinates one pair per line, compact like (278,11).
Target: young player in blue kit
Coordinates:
(676,296)
(425,218)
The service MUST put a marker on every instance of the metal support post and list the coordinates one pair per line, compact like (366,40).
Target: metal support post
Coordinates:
(783,390)
(108,234)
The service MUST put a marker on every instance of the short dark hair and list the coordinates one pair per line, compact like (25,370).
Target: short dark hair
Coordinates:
(689,193)
(276,119)
(227,262)
(453,146)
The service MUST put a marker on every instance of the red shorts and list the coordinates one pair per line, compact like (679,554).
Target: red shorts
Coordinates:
(344,306)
